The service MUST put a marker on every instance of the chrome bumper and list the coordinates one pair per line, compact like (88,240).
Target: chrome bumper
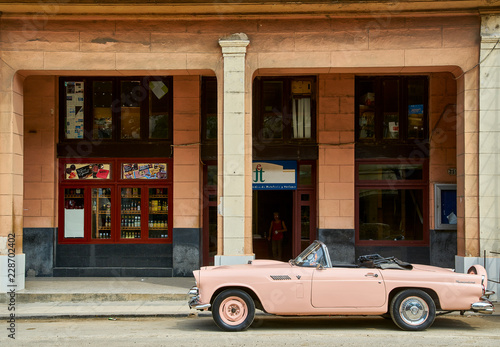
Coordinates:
(483,307)
(194,301)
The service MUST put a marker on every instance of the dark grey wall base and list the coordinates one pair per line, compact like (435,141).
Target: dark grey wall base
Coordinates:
(443,248)
(340,243)
(186,251)
(112,272)
(113,260)
(38,245)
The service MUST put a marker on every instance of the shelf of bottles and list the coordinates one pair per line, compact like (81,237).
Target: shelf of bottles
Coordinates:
(130,218)
(158,213)
(73,198)
(101,213)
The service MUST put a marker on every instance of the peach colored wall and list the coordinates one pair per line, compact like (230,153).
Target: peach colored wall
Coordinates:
(375,44)
(40,185)
(187,165)
(336,205)
(11,156)
(442,130)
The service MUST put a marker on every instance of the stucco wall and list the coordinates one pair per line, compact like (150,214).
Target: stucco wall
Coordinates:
(40,178)
(376,44)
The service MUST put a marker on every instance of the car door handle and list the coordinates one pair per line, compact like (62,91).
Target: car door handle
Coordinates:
(371,274)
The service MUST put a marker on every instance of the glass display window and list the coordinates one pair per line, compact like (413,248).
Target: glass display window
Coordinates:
(130,212)
(101,216)
(158,213)
(392,202)
(126,209)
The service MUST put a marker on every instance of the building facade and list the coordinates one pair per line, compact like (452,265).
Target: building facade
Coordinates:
(149,140)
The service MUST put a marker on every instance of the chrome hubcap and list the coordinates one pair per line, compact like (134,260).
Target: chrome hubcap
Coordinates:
(414,310)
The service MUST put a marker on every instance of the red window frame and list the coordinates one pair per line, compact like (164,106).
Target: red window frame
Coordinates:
(115,182)
(422,184)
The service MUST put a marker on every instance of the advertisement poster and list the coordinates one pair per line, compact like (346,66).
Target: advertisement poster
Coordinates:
(144,171)
(74,110)
(87,171)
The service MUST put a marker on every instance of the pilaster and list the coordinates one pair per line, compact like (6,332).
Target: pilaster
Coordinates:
(489,132)
(233,158)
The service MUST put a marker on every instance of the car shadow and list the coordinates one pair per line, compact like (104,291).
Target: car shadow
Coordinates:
(271,322)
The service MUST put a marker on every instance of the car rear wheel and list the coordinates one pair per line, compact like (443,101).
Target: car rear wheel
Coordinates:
(233,310)
(413,309)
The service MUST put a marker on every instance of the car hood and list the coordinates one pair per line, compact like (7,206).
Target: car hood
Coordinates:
(263,264)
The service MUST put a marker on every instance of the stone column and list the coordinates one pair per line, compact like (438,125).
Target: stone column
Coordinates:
(12,259)
(488,202)
(489,147)
(232,153)
(489,132)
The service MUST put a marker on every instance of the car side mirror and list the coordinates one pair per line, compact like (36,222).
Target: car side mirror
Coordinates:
(320,267)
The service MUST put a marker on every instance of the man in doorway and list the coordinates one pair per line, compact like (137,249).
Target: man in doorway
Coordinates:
(275,235)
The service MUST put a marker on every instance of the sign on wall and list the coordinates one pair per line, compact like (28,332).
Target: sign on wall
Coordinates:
(274,175)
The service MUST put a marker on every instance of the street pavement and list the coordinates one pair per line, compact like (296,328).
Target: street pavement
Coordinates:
(449,330)
(91,297)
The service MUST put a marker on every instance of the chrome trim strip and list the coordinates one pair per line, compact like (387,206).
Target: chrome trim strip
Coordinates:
(201,307)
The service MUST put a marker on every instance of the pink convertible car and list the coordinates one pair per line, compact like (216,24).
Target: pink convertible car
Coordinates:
(310,285)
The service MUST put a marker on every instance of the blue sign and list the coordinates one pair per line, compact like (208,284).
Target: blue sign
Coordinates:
(274,175)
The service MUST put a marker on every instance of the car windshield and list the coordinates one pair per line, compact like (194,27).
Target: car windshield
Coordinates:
(313,256)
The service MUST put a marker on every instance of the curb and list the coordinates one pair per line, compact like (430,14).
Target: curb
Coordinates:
(91,297)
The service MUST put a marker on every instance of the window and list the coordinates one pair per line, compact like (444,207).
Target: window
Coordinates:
(286,109)
(115,201)
(391,109)
(108,111)
(392,198)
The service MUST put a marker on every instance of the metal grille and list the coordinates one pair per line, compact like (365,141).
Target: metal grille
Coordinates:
(280,277)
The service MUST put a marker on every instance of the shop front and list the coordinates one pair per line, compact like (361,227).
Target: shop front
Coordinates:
(114,210)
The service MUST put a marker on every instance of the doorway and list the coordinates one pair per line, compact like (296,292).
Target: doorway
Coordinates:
(265,203)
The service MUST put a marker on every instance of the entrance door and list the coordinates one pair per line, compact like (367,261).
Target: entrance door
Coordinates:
(265,203)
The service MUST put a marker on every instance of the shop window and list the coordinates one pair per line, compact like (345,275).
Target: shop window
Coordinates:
(392,202)
(285,109)
(391,109)
(106,113)
(115,201)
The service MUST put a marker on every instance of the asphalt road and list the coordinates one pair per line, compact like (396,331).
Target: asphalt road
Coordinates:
(269,331)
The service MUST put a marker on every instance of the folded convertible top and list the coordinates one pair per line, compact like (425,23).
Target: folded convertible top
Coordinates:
(376,260)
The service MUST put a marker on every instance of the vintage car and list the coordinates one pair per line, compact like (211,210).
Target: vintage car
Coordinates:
(412,295)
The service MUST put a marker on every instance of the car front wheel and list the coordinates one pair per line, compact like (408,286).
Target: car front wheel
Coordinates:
(233,310)
(413,309)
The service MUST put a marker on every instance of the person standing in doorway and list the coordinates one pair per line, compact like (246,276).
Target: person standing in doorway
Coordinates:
(276,230)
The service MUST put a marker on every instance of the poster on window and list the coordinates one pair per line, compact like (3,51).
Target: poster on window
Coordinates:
(87,171)
(74,110)
(274,175)
(144,171)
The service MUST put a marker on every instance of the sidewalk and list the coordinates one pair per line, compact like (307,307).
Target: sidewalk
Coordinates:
(84,297)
